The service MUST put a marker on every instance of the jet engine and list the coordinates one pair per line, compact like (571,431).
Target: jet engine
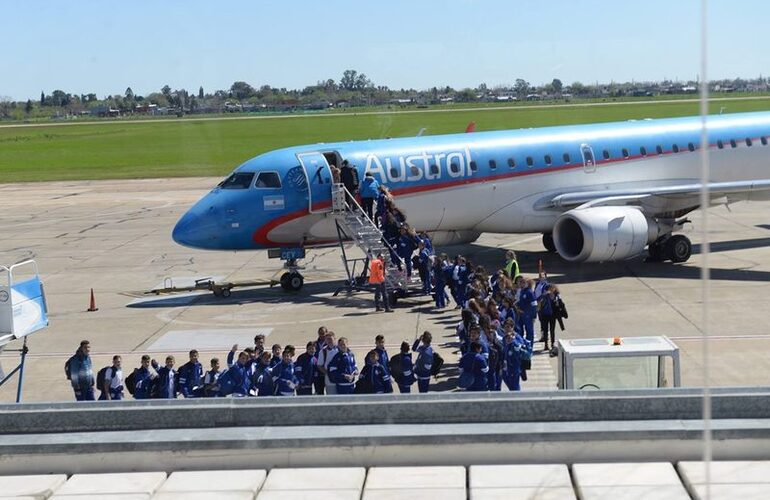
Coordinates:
(600,234)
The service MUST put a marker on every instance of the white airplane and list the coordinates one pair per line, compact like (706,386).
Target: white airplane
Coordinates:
(600,192)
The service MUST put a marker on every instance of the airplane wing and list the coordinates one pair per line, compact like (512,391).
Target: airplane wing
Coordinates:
(662,200)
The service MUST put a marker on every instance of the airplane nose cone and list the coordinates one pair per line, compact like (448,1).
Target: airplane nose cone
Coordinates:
(196,229)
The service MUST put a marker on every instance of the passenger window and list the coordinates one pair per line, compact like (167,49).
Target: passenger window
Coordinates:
(643,151)
(474,167)
(659,149)
(434,169)
(492,164)
(763,139)
(454,167)
(239,180)
(530,161)
(394,173)
(625,153)
(691,146)
(732,143)
(414,171)
(675,148)
(511,163)
(547,159)
(748,142)
(566,158)
(606,154)
(720,144)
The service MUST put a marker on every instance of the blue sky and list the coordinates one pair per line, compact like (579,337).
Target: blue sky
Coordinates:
(104,46)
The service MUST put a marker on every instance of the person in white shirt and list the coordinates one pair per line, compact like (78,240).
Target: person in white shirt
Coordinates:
(325,358)
(113,381)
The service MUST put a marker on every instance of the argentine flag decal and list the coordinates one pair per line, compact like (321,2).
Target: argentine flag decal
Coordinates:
(273,202)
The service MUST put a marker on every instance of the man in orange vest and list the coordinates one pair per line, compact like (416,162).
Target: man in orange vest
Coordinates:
(377,279)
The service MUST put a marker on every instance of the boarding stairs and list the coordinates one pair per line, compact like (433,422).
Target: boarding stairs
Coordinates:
(353,223)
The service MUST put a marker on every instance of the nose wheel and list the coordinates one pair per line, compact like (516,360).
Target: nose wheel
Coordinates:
(292,281)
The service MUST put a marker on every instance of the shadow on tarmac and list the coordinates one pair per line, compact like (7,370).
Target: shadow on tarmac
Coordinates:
(491,258)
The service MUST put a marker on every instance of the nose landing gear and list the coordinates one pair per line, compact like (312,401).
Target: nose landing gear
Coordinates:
(291,280)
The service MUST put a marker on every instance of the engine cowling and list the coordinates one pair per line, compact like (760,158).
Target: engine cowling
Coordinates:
(601,234)
(447,238)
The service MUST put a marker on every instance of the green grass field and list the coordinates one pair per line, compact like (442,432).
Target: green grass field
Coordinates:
(190,147)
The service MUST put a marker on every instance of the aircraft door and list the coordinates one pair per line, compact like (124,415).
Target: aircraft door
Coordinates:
(589,161)
(319,181)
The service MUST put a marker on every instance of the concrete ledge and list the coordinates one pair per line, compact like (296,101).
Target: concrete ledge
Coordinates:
(380,445)
(443,408)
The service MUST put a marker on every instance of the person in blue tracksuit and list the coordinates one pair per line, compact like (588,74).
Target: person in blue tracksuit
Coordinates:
(283,374)
(474,335)
(405,249)
(466,364)
(305,370)
(426,266)
(80,373)
(277,356)
(479,368)
(319,382)
(402,369)
(514,345)
(343,369)
(382,353)
(382,206)
(236,380)
(439,284)
(143,379)
(370,192)
(263,376)
(191,377)
(166,384)
(459,281)
(527,308)
(495,361)
(374,375)
(424,361)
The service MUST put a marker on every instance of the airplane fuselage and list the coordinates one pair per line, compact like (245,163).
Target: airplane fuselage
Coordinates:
(460,185)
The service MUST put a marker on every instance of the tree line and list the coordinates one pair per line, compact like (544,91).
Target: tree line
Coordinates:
(353,89)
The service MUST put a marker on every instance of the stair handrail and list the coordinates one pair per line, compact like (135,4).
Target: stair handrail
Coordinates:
(341,187)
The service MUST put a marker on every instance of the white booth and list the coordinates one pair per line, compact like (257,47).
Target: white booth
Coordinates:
(618,363)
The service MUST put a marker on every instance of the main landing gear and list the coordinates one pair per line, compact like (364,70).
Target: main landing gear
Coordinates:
(676,248)
(548,243)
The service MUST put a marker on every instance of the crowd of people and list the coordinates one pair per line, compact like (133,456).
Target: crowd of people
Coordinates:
(495,337)
(496,334)
(327,366)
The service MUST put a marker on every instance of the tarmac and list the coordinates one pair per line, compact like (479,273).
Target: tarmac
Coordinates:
(115,237)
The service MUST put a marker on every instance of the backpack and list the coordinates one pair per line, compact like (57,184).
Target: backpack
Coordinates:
(364,384)
(67,371)
(396,371)
(438,362)
(130,382)
(101,377)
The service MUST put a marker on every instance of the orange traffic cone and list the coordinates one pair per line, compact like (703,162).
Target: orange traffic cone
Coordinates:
(92,307)
(540,267)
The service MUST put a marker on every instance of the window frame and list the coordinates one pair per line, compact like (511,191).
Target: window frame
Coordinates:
(233,174)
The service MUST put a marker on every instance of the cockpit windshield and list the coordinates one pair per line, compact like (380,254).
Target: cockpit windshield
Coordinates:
(238,180)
